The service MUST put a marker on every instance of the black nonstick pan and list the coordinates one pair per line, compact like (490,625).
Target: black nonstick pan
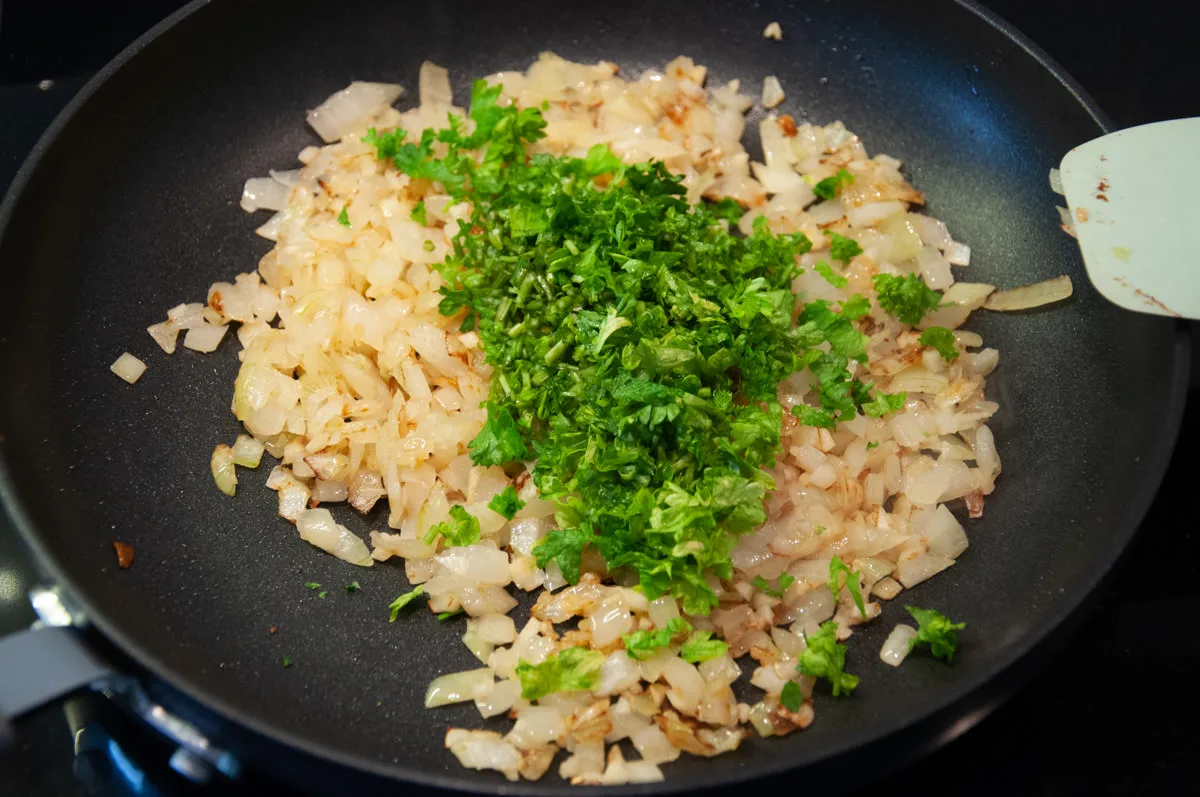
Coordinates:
(128,206)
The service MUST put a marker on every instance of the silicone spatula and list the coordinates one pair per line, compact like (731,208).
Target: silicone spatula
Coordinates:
(1134,201)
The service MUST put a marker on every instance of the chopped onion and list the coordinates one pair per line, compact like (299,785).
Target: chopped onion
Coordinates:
(958,254)
(459,687)
(328,491)
(944,534)
(1030,296)
(224,474)
(772,92)
(433,85)
(484,750)
(898,644)
(318,527)
(128,367)
(500,699)
(874,213)
(247,451)
(165,334)
(204,338)
(1056,184)
(344,110)
(773,31)
(264,193)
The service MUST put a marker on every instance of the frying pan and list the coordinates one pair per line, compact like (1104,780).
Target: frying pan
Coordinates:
(128,206)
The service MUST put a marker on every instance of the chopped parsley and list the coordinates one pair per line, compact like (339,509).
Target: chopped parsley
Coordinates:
(506,503)
(312,585)
(344,217)
(785,581)
(936,631)
(636,344)
(568,670)
(403,601)
(830,186)
(700,646)
(872,444)
(907,298)
(839,573)
(461,529)
(287,661)
(444,616)
(825,657)
(842,248)
(353,586)
(418,214)
(832,277)
(428,246)
(641,645)
(791,697)
(884,404)
(940,339)
(856,307)
(322,594)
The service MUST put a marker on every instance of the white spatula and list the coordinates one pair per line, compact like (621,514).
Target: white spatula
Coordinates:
(1134,200)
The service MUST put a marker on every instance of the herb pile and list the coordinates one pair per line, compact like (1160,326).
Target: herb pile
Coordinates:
(637,345)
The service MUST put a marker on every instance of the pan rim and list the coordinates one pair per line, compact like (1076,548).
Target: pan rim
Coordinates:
(1156,462)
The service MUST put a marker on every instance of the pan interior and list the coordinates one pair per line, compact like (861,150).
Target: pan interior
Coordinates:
(133,209)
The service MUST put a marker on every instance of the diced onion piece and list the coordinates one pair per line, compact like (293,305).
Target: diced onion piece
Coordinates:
(318,527)
(897,645)
(165,334)
(264,193)
(459,687)
(128,367)
(911,571)
(484,750)
(247,451)
(944,535)
(1056,182)
(772,92)
(346,109)
(1029,296)
(224,474)
(499,699)
(433,85)
(204,338)
(958,254)
(537,725)
(773,31)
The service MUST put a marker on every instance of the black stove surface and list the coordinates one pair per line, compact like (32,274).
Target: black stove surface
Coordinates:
(1113,714)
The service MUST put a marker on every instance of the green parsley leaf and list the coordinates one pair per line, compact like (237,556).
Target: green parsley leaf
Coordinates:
(700,646)
(761,584)
(811,416)
(830,186)
(506,503)
(856,307)
(353,586)
(824,657)
(791,697)
(418,214)
(936,631)
(907,298)
(884,404)
(444,616)
(838,568)
(287,661)
(641,645)
(872,444)
(564,546)
(500,441)
(344,217)
(842,248)
(461,529)
(322,594)
(403,601)
(569,670)
(941,339)
(831,276)
(728,209)
(312,585)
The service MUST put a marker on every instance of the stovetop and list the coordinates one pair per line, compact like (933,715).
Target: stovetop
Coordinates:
(1112,714)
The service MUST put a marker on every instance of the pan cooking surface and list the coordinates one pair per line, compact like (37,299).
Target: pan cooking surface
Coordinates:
(133,208)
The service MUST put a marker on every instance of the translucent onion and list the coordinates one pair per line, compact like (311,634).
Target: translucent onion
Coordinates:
(224,474)
(129,368)
(896,646)
(344,110)
(247,451)
(318,527)
(459,687)
(1030,296)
